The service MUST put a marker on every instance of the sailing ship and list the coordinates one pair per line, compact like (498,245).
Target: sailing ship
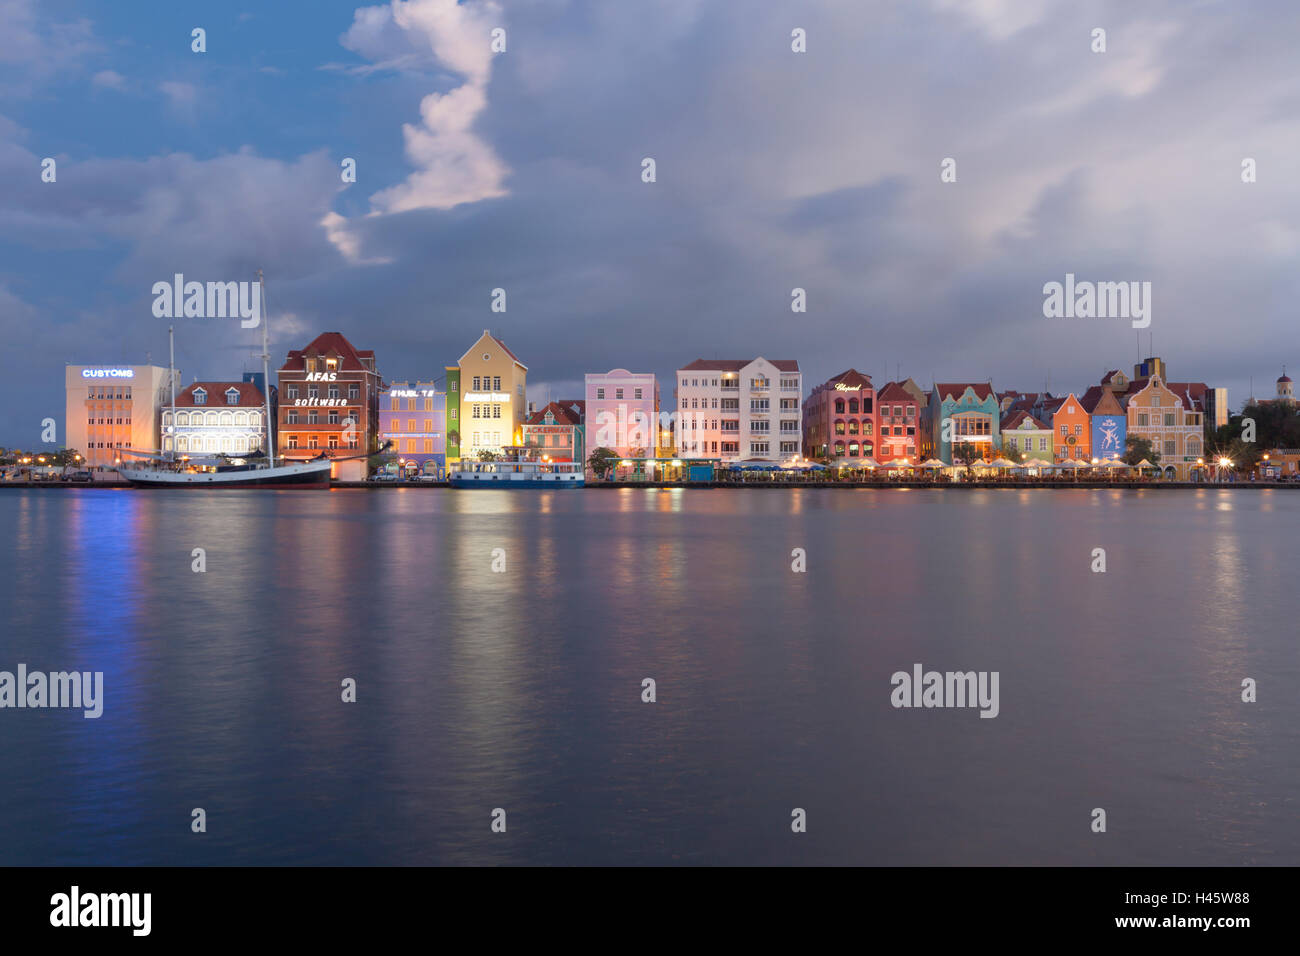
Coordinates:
(168,470)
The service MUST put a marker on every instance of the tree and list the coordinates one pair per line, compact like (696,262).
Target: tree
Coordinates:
(1138,449)
(965,453)
(602,461)
(1011,453)
(486,455)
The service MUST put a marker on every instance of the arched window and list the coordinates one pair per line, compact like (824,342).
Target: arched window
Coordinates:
(241,418)
(182,443)
(839,406)
(839,449)
(853,449)
(1193,447)
(167,443)
(182,418)
(853,406)
(255,419)
(210,418)
(839,427)
(853,426)
(867,449)
(227,419)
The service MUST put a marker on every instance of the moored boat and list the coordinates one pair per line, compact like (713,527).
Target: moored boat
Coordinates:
(515,473)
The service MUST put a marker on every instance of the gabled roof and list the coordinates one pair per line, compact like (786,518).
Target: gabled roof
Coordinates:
(563,416)
(735,365)
(851,377)
(955,390)
(1017,418)
(496,341)
(895,392)
(326,344)
(1110,376)
(1100,396)
(250,396)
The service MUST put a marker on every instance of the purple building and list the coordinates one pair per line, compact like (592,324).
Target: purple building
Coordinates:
(414,418)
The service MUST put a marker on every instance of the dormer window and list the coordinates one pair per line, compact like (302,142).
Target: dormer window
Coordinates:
(331,365)
(311,364)
(550,419)
(200,397)
(232,396)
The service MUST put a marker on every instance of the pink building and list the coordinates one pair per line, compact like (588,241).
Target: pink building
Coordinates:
(623,412)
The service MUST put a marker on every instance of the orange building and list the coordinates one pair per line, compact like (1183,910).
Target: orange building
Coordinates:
(1071,431)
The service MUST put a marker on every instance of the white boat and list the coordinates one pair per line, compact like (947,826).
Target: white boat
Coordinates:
(169,471)
(514,473)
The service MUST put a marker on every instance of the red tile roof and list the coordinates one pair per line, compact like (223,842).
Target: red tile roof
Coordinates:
(563,416)
(326,344)
(1014,419)
(735,365)
(956,389)
(894,392)
(250,396)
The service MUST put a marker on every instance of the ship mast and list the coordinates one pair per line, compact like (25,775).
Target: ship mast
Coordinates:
(266,373)
(171,377)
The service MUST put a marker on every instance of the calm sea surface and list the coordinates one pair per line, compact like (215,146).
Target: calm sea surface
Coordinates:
(522,690)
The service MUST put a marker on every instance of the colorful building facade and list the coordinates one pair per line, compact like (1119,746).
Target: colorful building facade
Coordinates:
(557,432)
(486,395)
(622,412)
(329,404)
(839,419)
(899,429)
(111,408)
(1072,431)
(214,418)
(1031,436)
(413,418)
(1107,423)
(739,409)
(1171,421)
(972,409)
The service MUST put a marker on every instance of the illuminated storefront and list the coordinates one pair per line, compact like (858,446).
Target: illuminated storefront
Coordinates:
(413,418)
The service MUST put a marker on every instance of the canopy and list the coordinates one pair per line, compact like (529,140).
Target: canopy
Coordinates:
(870,462)
(1113,463)
(1002,463)
(1144,464)
(932,463)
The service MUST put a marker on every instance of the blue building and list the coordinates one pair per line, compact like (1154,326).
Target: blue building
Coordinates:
(975,416)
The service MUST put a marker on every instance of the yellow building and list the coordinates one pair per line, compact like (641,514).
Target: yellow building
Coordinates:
(489,398)
(1172,419)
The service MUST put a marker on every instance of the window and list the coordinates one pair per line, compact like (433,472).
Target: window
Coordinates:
(334,391)
(760,406)
(200,397)
(1169,421)
(313,391)
(291,391)
(761,426)
(428,446)
(292,418)
(313,441)
(684,404)
(334,416)
(853,426)
(333,441)
(1155,401)
(1042,444)
(312,417)
(452,414)
(496,411)
(232,396)
(496,383)
(1065,430)
(637,394)
(695,403)
(839,406)
(839,428)
(1171,449)
(618,393)
(600,393)
(1078,429)
(293,441)
(1142,420)
(758,448)
(354,391)
(428,424)
(410,424)
(331,365)
(853,406)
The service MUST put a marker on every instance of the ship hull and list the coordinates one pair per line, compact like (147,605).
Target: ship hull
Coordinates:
(313,475)
(511,482)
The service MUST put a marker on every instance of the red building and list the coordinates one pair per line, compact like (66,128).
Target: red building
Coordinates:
(329,402)
(839,419)
(898,411)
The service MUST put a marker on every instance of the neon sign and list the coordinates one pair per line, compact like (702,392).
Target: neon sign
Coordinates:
(108,373)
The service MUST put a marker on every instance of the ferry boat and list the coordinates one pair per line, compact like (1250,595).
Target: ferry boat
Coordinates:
(515,473)
(168,470)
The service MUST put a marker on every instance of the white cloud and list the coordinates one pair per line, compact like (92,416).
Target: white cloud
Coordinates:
(453,165)
(181,97)
(109,79)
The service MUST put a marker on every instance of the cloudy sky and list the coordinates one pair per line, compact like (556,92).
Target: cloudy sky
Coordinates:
(523,170)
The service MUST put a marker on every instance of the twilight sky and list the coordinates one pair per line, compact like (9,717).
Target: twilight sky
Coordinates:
(775,170)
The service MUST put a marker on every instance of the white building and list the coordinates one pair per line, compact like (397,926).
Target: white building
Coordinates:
(739,409)
(111,408)
(216,417)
